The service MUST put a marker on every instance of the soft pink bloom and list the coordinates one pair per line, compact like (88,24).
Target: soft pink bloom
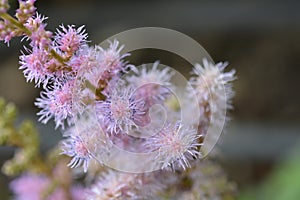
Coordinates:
(83,140)
(29,187)
(68,39)
(33,187)
(4,6)
(151,84)
(57,103)
(120,111)
(34,66)
(213,87)
(39,36)
(95,63)
(26,9)
(86,63)
(175,146)
(211,78)
(75,147)
(83,88)
(114,185)
(78,193)
(112,60)
(8,31)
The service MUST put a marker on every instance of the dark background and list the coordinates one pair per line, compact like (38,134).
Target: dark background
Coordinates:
(260,39)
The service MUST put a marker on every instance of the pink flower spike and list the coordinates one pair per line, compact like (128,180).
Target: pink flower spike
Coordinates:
(4,6)
(75,148)
(116,185)
(151,84)
(39,36)
(29,186)
(33,66)
(120,111)
(112,60)
(175,146)
(7,31)
(209,83)
(26,10)
(87,61)
(56,103)
(69,39)
(34,187)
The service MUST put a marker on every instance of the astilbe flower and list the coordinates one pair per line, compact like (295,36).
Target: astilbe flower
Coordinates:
(119,112)
(56,102)
(114,185)
(33,66)
(214,91)
(152,84)
(87,64)
(7,31)
(29,186)
(175,146)
(39,64)
(83,87)
(35,187)
(99,66)
(76,148)
(112,61)
(211,78)
(39,37)
(26,9)
(82,141)
(68,39)
(4,6)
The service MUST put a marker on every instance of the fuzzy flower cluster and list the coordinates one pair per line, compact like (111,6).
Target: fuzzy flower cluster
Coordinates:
(213,88)
(176,145)
(4,6)
(36,187)
(123,186)
(84,92)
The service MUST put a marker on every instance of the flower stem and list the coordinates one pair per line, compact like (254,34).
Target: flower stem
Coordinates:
(27,32)
(15,22)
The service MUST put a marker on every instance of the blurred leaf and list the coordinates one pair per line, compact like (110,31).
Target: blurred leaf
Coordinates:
(283,183)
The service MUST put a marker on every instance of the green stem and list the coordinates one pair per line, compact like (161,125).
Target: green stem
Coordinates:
(96,90)
(57,56)
(22,28)
(90,86)
(15,22)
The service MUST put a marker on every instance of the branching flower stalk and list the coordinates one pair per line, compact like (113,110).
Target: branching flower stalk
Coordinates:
(97,109)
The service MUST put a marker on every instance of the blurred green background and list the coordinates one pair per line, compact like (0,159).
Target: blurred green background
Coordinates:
(260,39)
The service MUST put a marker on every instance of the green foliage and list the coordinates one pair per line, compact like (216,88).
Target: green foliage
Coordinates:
(7,117)
(283,183)
(25,137)
(27,157)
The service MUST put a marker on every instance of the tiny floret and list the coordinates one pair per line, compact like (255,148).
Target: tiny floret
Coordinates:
(75,148)
(151,84)
(120,111)
(112,60)
(57,103)
(175,146)
(68,39)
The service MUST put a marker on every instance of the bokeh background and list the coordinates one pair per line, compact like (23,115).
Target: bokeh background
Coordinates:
(260,39)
